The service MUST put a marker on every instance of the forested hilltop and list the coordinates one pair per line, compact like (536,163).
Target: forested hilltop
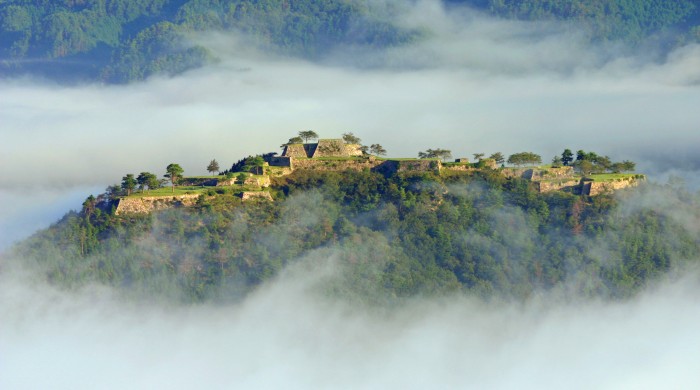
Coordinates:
(126,40)
(388,236)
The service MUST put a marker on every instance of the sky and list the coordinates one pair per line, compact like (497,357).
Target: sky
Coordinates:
(475,85)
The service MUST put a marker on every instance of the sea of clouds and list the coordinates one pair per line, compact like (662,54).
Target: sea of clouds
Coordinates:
(473,85)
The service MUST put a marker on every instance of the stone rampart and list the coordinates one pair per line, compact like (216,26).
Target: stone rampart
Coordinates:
(605,187)
(390,167)
(294,150)
(336,165)
(536,174)
(281,161)
(148,204)
(261,181)
(335,148)
(458,167)
(255,195)
(558,185)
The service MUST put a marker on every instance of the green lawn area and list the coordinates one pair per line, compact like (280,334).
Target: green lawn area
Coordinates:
(167,191)
(204,177)
(611,176)
(407,159)
(350,158)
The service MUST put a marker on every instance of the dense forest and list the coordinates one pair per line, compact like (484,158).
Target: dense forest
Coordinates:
(126,40)
(388,236)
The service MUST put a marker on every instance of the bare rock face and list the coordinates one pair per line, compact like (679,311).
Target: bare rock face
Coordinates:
(148,204)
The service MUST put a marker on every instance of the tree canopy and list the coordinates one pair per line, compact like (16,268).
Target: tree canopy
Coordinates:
(174,173)
(307,135)
(213,166)
(524,158)
(442,154)
(350,138)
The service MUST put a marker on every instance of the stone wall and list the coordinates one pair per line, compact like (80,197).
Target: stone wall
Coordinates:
(558,185)
(335,148)
(294,150)
(226,182)
(458,167)
(147,204)
(256,195)
(336,165)
(488,163)
(535,174)
(390,167)
(281,161)
(605,187)
(261,181)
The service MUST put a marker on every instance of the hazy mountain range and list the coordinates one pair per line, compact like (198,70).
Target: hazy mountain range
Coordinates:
(126,40)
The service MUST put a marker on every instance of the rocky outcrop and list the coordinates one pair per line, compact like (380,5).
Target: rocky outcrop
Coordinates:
(148,204)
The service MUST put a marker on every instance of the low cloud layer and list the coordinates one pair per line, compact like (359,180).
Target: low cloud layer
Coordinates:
(289,335)
(474,84)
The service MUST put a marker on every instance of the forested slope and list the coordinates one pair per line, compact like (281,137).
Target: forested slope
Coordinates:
(387,236)
(126,40)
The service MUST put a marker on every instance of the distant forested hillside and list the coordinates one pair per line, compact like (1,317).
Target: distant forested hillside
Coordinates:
(126,40)
(608,19)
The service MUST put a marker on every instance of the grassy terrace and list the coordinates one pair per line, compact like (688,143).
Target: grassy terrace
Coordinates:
(168,191)
(613,176)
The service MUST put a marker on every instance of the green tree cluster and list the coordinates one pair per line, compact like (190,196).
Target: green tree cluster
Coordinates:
(524,158)
(442,154)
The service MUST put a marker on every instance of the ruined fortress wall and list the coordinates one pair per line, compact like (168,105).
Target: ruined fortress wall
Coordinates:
(557,185)
(294,150)
(539,173)
(147,204)
(259,195)
(336,165)
(419,165)
(606,187)
(225,182)
(458,167)
(553,173)
(281,161)
(335,148)
(262,181)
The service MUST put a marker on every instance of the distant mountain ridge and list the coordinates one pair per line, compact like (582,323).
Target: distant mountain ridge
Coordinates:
(120,41)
